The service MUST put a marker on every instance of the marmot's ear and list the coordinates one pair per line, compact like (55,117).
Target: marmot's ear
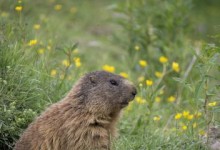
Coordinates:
(92,79)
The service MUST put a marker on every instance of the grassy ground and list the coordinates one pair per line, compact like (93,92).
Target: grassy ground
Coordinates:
(47,45)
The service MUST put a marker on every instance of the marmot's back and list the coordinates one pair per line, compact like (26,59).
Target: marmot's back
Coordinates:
(84,119)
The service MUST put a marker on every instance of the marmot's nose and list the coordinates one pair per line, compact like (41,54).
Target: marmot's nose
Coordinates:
(134,92)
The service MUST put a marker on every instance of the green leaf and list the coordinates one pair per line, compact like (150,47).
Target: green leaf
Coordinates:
(75,45)
(198,88)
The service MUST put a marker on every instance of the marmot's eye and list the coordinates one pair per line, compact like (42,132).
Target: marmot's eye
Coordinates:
(113,82)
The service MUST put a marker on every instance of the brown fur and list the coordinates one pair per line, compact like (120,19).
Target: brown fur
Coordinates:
(85,119)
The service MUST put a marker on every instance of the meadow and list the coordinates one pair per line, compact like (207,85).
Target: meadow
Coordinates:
(168,49)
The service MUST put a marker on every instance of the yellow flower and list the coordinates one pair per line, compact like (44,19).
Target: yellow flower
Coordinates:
(40,51)
(211,104)
(75,51)
(66,63)
(175,67)
(185,114)
(157,99)
(123,74)
(198,114)
(58,7)
(157,118)
(194,125)
(137,48)
(109,68)
(161,92)
(149,82)
(139,100)
(178,116)
(77,62)
(184,127)
(53,72)
(32,42)
(158,74)
(190,117)
(49,47)
(18,8)
(36,26)
(143,63)
(141,79)
(202,132)
(163,59)
(171,99)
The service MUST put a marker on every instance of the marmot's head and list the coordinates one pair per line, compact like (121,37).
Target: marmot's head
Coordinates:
(103,92)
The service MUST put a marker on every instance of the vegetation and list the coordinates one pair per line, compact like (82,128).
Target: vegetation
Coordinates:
(45,46)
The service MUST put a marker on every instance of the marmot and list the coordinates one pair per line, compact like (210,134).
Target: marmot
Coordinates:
(85,119)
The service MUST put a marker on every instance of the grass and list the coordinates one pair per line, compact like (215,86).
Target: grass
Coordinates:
(48,45)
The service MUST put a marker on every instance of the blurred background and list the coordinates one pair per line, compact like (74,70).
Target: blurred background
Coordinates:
(169,49)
